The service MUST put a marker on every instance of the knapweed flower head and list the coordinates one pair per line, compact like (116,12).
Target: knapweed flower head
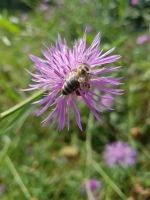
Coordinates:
(142,39)
(119,153)
(66,73)
(93,185)
(2,188)
(134,2)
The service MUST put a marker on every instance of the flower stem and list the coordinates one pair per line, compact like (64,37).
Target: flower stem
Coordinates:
(88,141)
(4,151)
(108,180)
(88,161)
(17,178)
(97,166)
(20,105)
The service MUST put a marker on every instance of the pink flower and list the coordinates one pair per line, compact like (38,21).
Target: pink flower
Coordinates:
(134,2)
(66,73)
(108,101)
(119,153)
(142,39)
(2,189)
(24,17)
(89,28)
(93,185)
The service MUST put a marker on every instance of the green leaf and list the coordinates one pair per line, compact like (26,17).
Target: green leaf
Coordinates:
(9,26)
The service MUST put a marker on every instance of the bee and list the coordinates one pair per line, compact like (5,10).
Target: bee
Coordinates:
(76,79)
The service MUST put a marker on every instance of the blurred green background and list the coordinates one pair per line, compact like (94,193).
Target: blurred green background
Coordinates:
(39,163)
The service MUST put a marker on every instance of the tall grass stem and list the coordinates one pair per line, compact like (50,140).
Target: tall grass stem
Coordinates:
(20,105)
(17,177)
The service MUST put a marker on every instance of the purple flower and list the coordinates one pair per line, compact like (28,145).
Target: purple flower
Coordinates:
(45,1)
(66,73)
(24,16)
(119,153)
(89,28)
(134,2)
(26,48)
(108,101)
(2,188)
(93,185)
(142,39)
(29,149)
(43,6)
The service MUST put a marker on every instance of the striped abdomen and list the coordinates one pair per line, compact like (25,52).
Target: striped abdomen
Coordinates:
(70,85)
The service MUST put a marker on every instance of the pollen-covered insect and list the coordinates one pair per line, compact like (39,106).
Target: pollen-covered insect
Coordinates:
(76,79)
